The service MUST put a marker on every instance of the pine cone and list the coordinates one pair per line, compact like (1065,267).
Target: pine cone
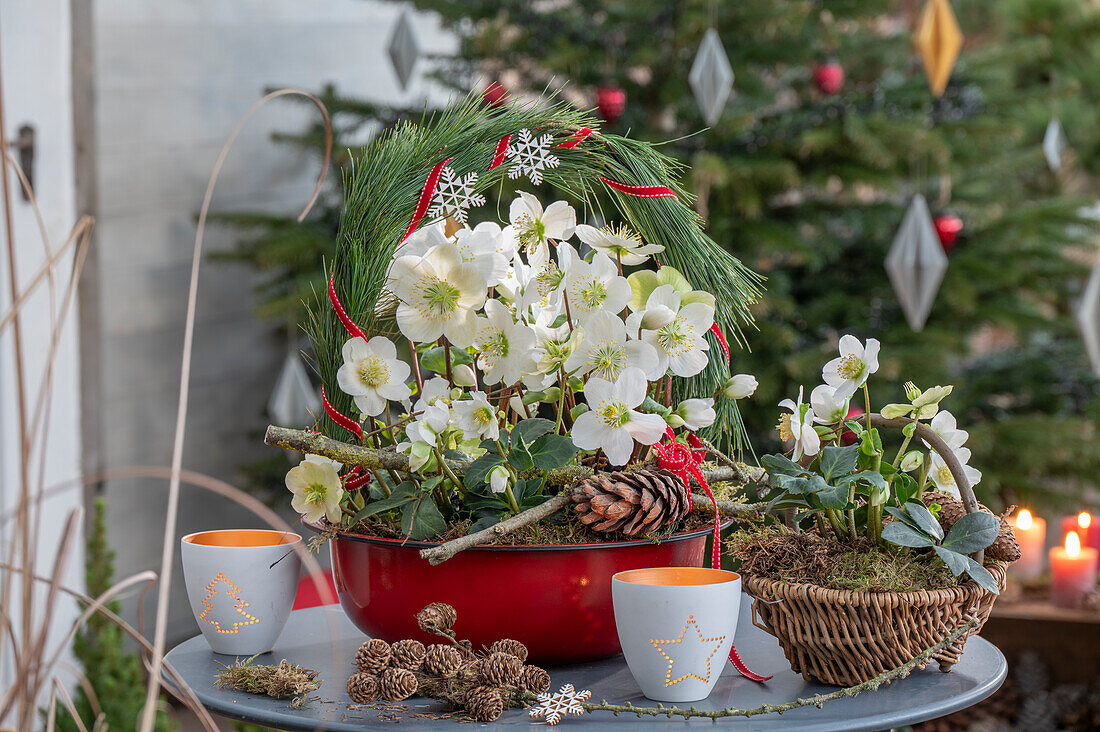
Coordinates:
(373,656)
(396,684)
(534,680)
(500,669)
(441,660)
(634,502)
(511,647)
(362,688)
(436,616)
(408,654)
(484,704)
(1004,548)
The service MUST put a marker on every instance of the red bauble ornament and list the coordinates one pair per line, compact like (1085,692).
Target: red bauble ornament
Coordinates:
(495,95)
(829,77)
(848,437)
(948,227)
(610,101)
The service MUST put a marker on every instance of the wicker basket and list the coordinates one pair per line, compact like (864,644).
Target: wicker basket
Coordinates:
(844,638)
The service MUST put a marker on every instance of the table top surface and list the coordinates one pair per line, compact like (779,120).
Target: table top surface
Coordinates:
(325,640)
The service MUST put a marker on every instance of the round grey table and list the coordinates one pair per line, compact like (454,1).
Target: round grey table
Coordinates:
(325,640)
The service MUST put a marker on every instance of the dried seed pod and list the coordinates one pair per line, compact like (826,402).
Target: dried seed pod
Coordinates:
(534,679)
(373,656)
(397,684)
(408,654)
(511,647)
(441,660)
(436,617)
(484,703)
(362,688)
(501,669)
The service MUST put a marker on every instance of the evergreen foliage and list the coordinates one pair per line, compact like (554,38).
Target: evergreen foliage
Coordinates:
(113,670)
(809,189)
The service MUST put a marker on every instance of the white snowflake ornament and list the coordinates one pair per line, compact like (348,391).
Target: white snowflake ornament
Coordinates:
(530,156)
(552,707)
(454,195)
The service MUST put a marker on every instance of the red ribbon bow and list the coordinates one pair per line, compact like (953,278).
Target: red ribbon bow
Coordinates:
(683,461)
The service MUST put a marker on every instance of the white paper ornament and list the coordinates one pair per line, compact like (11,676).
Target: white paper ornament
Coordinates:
(403,49)
(1088,318)
(916,263)
(293,402)
(711,77)
(1054,144)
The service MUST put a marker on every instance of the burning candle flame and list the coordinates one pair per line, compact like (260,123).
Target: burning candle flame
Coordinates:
(1073,544)
(1084,519)
(1023,520)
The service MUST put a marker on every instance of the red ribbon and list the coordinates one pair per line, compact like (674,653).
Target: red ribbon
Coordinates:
(721,340)
(577,138)
(346,422)
(501,151)
(349,324)
(684,463)
(425,200)
(640,191)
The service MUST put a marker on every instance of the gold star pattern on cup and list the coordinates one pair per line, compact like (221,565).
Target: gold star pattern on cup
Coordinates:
(677,649)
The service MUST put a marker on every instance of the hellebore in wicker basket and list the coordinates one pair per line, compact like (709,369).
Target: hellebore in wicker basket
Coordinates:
(483,683)
(908,519)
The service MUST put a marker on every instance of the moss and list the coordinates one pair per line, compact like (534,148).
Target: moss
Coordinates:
(780,554)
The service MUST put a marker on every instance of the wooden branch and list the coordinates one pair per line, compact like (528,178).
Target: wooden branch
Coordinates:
(816,700)
(923,431)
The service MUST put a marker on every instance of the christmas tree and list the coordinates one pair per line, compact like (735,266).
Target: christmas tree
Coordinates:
(806,175)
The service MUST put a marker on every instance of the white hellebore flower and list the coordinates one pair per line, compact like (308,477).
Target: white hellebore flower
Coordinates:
(850,370)
(423,239)
(317,491)
(532,226)
(422,434)
(828,408)
(922,404)
(941,474)
(697,413)
(435,388)
(553,346)
(605,351)
(487,249)
(799,427)
(677,333)
(611,422)
(944,425)
(463,375)
(619,243)
(438,295)
(912,460)
(504,346)
(322,460)
(498,479)
(592,287)
(372,374)
(740,386)
(476,417)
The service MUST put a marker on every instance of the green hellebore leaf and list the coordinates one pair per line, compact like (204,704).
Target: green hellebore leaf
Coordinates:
(831,496)
(838,461)
(421,519)
(925,519)
(955,562)
(972,532)
(981,575)
(434,360)
(533,396)
(902,534)
(519,456)
(530,429)
(478,471)
(577,411)
(781,465)
(552,451)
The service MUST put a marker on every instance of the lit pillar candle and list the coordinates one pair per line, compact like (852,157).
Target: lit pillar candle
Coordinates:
(1031,535)
(1087,529)
(1073,571)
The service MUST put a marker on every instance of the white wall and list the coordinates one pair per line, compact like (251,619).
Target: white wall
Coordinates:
(35,64)
(173,78)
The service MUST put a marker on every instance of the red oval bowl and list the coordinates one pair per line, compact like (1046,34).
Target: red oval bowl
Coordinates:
(555,599)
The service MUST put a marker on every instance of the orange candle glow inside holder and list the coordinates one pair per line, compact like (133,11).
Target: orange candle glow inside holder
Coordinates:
(1086,526)
(1073,571)
(1031,535)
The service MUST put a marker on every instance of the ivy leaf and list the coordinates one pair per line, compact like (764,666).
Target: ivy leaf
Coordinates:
(781,465)
(838,461)
(489,519)
(552,451)
(972,532)
(902,534)
(831,496)
(478,470)
(925,519)
(531,429)
(402,494)
(421,519)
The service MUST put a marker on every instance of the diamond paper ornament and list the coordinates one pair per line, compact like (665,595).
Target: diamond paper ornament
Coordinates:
(1054,144)
(916,263)
(711,77)
(1088,318)
(293,401)
(938,40)
(403,49)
